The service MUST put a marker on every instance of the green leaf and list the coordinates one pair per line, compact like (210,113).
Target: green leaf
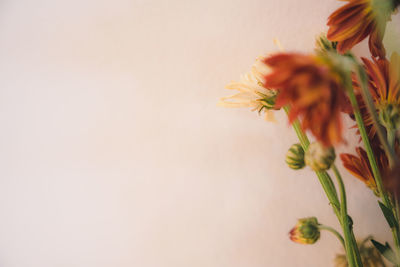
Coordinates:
(386,251)
(388,215)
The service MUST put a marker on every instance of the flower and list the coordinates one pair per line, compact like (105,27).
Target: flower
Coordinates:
(359,167)
(384,85)
(319,157)
(353,22)
(252,92)
(295,157)
(306,231)
(311,86)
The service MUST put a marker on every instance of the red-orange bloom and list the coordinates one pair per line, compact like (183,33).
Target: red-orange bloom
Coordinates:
(384,85)
(359,167)
(313,91)
(353,22)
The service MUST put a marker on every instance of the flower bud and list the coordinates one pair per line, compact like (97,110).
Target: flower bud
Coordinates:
(389,116)
(318,157)
(322,44)
(306,231)
(295,157)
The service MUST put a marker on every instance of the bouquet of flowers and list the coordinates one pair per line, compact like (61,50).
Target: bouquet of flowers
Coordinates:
(315,90)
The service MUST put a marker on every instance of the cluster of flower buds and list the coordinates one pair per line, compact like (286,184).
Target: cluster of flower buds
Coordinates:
(317,156)
(306,231)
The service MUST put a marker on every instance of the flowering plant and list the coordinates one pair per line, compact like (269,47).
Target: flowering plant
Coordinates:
(315,90)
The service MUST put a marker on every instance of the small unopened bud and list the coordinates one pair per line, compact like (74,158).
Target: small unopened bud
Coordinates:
(295,157)
(389,116)
(306,231)
(322,44)
(318,157)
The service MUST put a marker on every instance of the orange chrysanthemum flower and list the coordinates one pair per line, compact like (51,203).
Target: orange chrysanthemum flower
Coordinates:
(358,19)
(359,167)
(384,85)
(312,89)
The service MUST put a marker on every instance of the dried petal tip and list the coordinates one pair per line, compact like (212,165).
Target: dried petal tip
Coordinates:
(319,157)
(306,231)
(295,157)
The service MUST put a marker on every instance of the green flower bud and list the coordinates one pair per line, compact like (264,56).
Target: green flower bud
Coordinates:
(389,116)
(318,157)
(306,231)
(322,44)
(295,157)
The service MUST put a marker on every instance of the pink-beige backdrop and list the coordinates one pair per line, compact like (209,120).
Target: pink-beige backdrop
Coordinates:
(113,152)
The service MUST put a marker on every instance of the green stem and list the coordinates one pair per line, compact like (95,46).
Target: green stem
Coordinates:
(333,231)
(356,249)
(367,144)
(330,191)
(362,78)
(300,133)
(371,157)
(323,177)
(353,254)
(396,207)
(391,136)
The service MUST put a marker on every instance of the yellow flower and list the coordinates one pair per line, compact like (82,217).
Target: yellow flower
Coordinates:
(251,91)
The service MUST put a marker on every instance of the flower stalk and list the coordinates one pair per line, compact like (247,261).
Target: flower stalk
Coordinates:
(364,136)
(334,232)
(362,77)
(339,207)
(347,225)
(324,178)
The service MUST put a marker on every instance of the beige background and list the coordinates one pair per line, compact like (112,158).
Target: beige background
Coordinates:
(114,153)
